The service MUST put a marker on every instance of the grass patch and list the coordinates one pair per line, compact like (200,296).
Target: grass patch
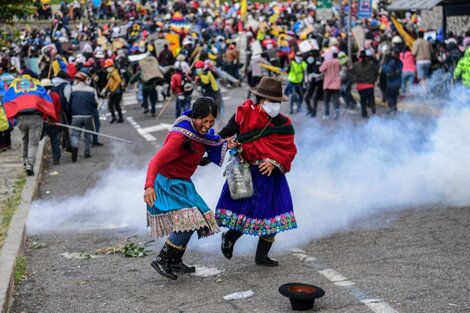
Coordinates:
(21,269)
(8,208)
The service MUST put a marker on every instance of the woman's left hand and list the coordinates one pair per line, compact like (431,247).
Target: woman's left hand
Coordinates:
(266,168)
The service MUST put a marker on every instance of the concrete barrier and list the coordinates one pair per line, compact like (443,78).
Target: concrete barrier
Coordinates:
(16,236)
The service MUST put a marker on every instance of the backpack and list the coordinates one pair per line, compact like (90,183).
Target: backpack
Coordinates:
(186,85)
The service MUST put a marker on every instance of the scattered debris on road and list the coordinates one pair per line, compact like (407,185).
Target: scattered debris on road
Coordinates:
(239,295)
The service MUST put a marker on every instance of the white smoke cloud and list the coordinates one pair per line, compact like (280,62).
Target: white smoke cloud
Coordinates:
(342,173)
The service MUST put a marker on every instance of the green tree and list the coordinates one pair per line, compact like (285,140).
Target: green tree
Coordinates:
(11,8)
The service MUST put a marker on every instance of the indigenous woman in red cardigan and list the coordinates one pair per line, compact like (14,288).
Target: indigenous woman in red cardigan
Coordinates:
(174,207)
(267,139)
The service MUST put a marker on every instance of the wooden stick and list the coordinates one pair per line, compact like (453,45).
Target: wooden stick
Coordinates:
(164,108)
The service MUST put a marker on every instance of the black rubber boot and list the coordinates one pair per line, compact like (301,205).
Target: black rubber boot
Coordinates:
(228,241)
(178,265)
(264,245)
(162,263)
(74,154)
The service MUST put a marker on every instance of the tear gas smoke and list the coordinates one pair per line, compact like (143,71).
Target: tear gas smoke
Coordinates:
(341,174)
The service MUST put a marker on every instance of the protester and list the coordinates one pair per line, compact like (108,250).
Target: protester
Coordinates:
(208,83)
(48,127)
(5,125)
(315,85)
(463,69)
(29,104)
(393,71)
(174,208)
(422,52)
(180,82)
(83,102)
(409,70)
(267,139)
(331,69)
(365,74)
(346,81)
(63,88)
(114,88)
(294,84)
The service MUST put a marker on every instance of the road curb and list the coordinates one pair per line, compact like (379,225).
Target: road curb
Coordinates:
(16,236)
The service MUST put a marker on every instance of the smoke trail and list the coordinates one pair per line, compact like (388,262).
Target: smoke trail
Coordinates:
(343,172)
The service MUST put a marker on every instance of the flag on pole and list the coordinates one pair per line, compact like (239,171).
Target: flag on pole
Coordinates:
(407,38)
(243,8)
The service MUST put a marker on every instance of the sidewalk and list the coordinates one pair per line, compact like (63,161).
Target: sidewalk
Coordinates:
(11,173)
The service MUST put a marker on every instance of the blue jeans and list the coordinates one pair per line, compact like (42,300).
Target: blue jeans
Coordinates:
(407,79)
(85,122)
(149,96)
(423,70)
(53,132)
(346,94)
(296,95)
(180,238)
(183,103)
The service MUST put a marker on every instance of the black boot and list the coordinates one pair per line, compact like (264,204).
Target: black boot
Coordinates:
(264,245)
(228,241)
(178,265)
(74,154)
(162,263)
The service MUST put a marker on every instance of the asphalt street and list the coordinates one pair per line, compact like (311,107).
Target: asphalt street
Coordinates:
(408,260)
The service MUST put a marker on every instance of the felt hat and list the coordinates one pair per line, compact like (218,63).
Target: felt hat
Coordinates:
(270,88)
(302,296)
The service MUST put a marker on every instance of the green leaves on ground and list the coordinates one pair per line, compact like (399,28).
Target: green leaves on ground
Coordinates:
(37,245)
(129,249)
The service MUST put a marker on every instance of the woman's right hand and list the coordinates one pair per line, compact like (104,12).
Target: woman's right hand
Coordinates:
(149,196)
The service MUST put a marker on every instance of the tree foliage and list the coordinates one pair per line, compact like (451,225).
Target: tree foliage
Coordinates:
(11,8)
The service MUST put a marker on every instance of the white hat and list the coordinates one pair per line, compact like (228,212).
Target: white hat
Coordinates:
(46,82)
(396,39)
(450,40)
(99,54)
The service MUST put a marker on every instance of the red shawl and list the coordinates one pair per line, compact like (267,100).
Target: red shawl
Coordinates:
(280,148)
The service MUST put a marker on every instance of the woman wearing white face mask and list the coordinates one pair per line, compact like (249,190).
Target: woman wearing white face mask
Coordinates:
(266,139)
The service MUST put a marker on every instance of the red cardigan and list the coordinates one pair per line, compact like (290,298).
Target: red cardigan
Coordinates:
(173,161)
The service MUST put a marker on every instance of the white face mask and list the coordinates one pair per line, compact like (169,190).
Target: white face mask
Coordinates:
(271,108)
(109,69)
(310,60)
(298,59)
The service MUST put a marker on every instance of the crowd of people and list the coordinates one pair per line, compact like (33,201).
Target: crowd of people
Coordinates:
(206,44)
(171,51)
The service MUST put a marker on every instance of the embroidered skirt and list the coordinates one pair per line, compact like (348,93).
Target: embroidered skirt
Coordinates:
(268,211)
(179,208)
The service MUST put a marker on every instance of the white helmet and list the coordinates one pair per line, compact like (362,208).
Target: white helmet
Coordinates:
(396,39)
(385,49)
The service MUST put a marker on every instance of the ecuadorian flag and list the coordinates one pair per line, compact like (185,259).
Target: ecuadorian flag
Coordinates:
(26,93)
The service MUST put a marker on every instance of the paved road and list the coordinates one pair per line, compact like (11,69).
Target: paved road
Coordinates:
(374,260)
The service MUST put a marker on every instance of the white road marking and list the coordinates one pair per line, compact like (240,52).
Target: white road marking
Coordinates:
(375,305)
(156,128)
(145,132)
(379,307)
(344,283)
(332,275)
(109,114)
